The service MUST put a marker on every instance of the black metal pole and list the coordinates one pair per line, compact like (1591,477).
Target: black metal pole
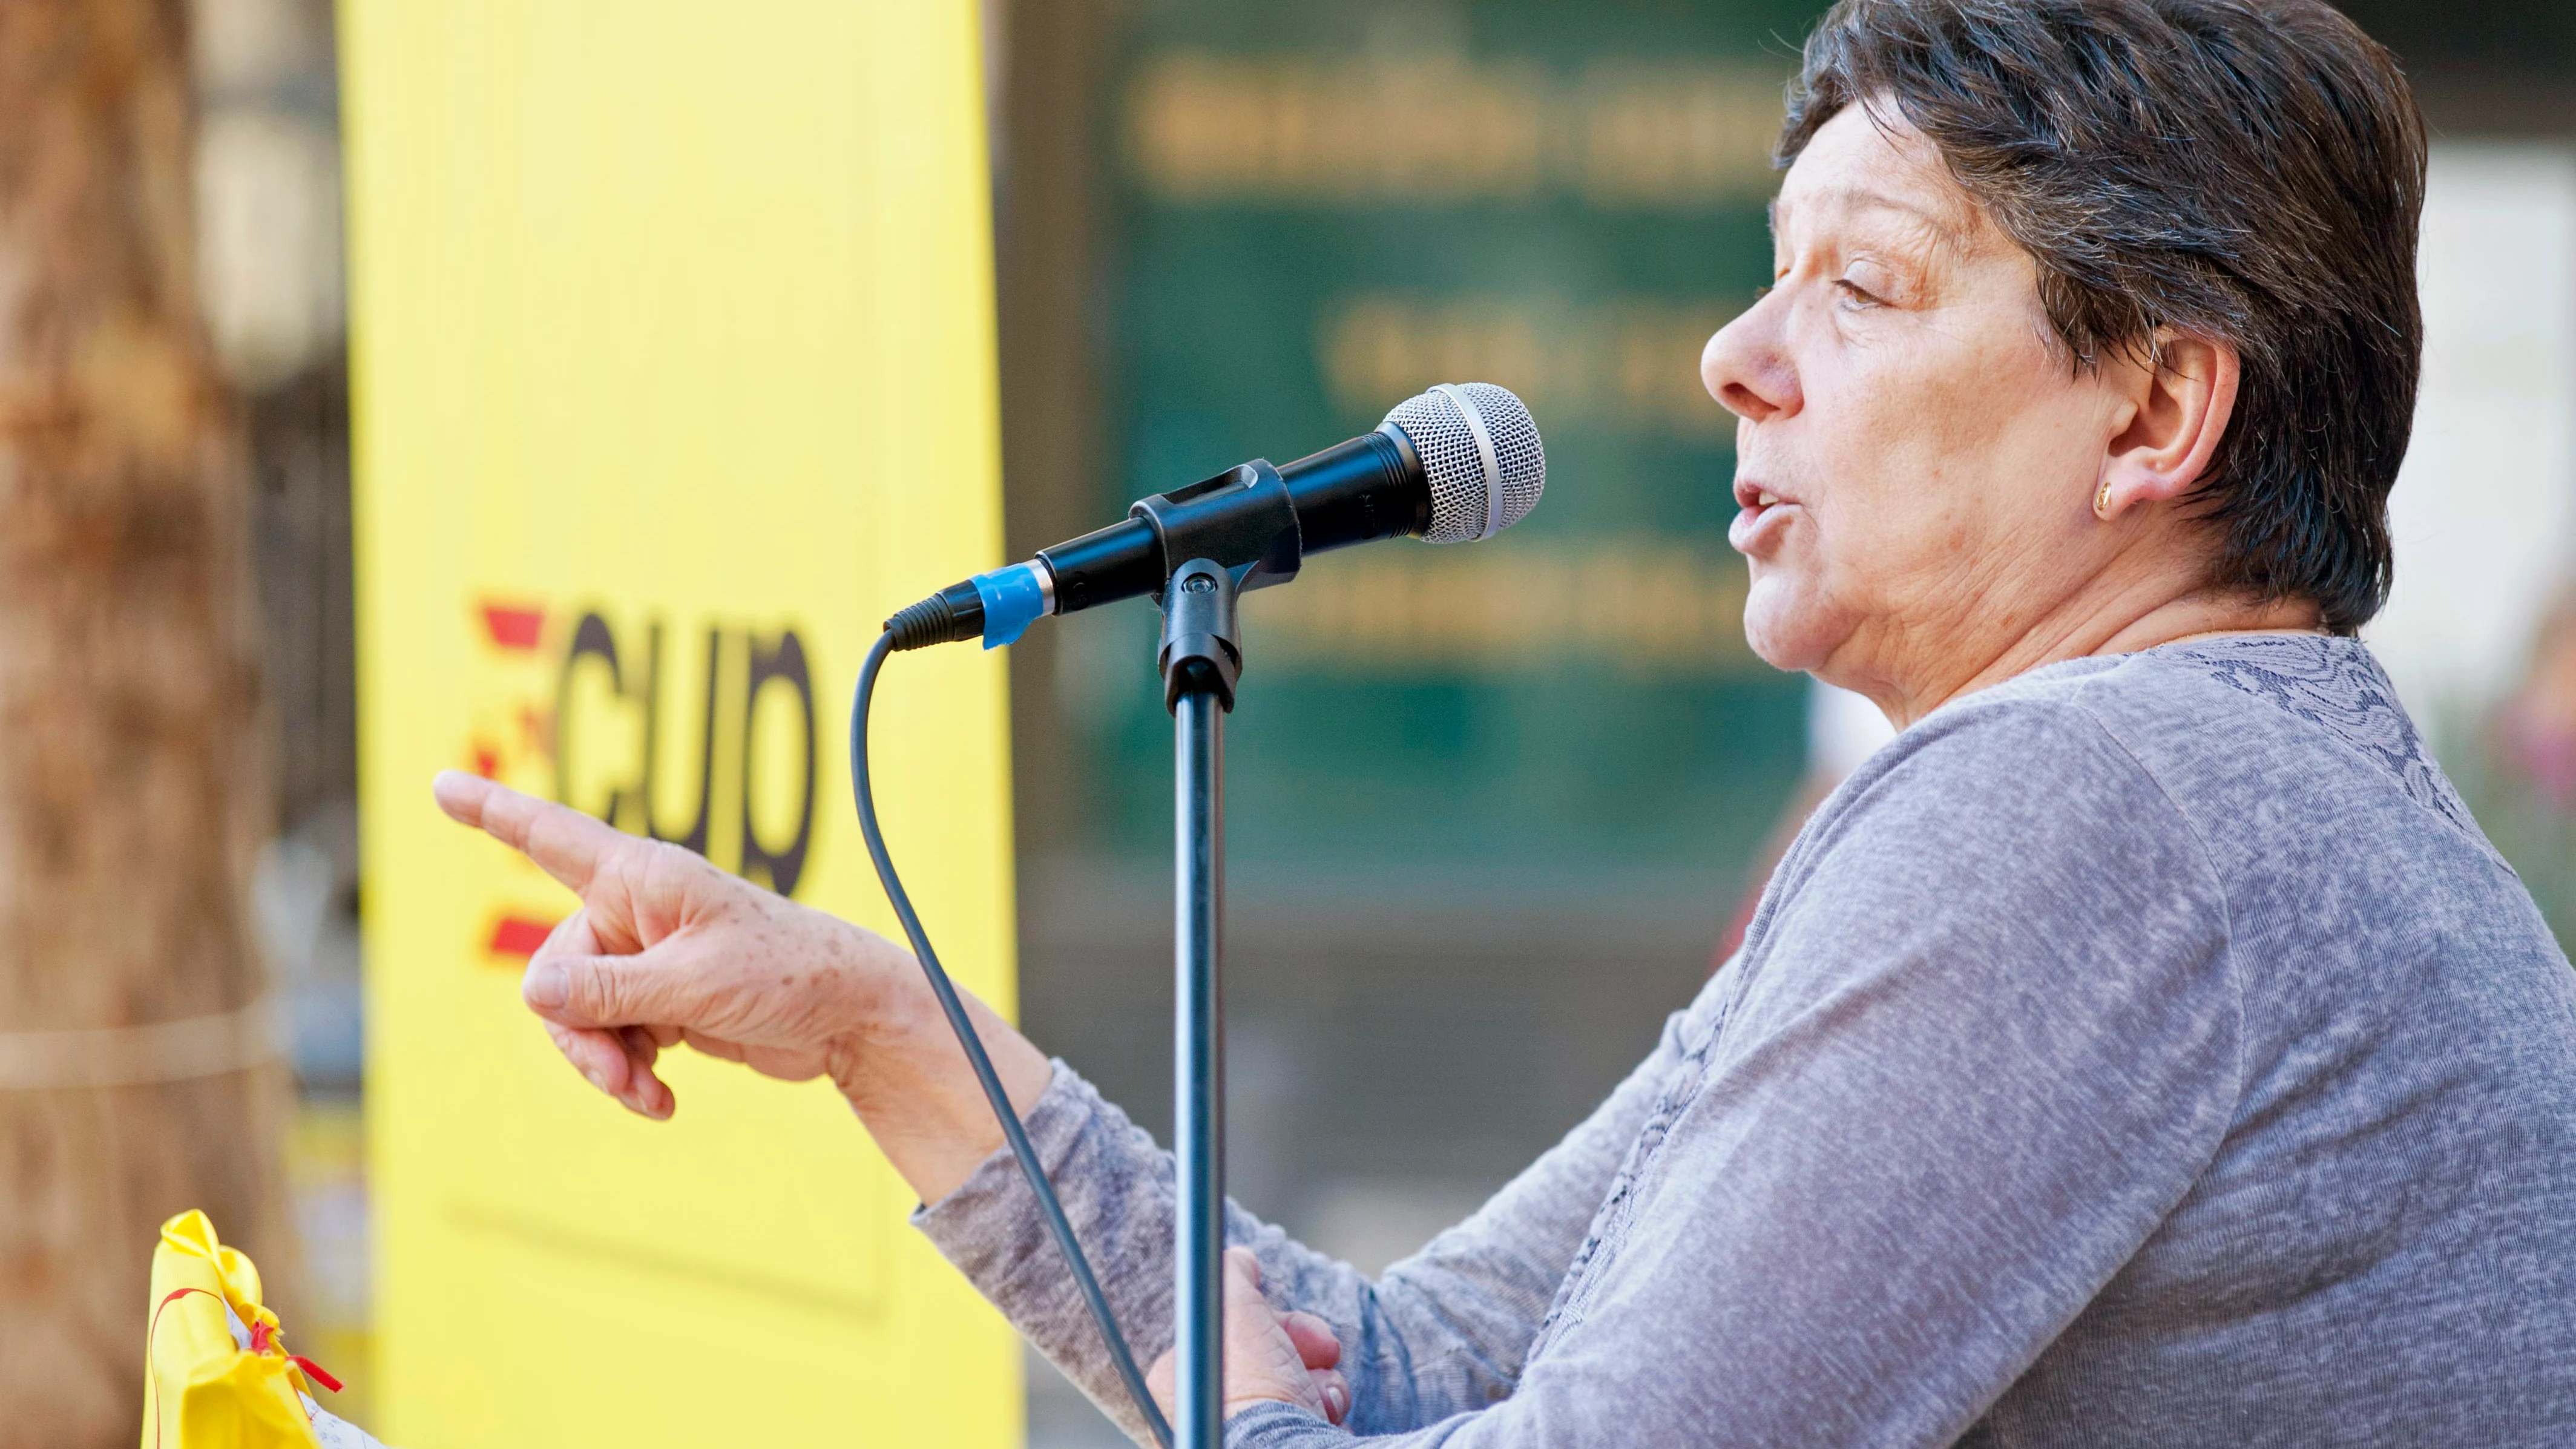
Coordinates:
(1198,1064)
(1200,661)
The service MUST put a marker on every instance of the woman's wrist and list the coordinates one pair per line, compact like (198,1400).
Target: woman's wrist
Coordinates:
(886,1015)
(897,1062)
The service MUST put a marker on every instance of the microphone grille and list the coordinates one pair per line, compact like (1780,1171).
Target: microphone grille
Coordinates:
(1481,454)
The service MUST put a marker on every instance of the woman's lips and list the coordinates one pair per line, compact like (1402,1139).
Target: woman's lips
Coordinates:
(1759,522)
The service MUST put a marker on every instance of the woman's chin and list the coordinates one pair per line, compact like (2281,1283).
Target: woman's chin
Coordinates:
(1789,627)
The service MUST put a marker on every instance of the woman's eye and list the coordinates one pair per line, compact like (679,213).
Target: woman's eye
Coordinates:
(1854,295)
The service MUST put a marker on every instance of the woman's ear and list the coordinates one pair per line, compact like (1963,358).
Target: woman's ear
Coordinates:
(2179,401)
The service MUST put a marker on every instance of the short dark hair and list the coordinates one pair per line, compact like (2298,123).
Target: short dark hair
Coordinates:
(2248,171)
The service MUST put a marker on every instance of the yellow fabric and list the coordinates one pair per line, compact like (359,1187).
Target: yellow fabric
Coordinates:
(201,1388)
(670,320)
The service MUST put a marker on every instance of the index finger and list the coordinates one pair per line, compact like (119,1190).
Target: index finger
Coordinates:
(565,843)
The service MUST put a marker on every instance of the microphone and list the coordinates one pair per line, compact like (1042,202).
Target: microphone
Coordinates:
(1457,464)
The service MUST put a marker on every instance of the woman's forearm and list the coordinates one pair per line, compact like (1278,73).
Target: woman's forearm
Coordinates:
(909,1080)
(1441,1332)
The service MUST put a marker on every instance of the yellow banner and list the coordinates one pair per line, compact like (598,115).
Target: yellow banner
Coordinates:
(672,345)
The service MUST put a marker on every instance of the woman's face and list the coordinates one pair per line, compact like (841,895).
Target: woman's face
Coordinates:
(1916,458)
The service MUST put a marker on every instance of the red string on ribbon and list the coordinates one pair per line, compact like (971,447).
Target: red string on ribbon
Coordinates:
(315,1372)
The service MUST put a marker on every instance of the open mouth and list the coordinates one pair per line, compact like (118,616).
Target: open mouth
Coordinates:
(1761,513)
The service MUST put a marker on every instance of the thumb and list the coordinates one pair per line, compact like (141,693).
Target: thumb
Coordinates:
(1262,1362)
(649,988)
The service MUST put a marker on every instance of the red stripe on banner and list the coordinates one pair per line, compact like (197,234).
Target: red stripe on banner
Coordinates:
(518,936)
(514,628)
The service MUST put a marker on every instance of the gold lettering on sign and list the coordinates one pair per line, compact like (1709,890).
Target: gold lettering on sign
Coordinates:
(1631,605)
(1441,130)
(1628,363)
(1674,134)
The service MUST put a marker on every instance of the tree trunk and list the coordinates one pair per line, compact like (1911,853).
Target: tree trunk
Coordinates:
(133,1081)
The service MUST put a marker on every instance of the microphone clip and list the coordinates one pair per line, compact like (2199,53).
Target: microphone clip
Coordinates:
(1243,520)
(1201,651)
(1235,531)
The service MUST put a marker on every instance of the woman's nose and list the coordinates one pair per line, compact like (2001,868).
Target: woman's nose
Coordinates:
(1746,365)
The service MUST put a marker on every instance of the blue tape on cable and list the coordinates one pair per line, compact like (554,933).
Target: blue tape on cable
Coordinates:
(1014,598)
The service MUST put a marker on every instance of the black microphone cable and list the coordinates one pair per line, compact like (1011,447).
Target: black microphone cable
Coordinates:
(946,991)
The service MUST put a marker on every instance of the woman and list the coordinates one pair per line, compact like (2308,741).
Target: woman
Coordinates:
(2145,1048)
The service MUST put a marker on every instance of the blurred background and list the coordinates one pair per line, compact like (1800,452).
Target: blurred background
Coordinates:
(1494,811)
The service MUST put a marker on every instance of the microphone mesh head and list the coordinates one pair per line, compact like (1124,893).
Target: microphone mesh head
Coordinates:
(1479,486)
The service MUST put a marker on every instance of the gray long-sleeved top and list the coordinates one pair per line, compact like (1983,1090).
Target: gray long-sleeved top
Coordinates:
(2148,1051)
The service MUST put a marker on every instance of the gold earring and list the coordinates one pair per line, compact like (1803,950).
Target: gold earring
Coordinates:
(2102,501)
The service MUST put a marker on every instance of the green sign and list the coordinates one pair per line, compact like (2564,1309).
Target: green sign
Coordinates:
(1324,209)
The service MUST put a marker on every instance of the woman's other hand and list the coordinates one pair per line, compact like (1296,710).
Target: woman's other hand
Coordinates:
(1270,1356)
(668,949)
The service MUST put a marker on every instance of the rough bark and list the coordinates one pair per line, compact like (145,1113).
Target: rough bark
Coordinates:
(130,760)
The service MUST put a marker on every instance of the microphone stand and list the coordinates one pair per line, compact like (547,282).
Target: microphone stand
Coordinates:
(1235,531)
(1201,659)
